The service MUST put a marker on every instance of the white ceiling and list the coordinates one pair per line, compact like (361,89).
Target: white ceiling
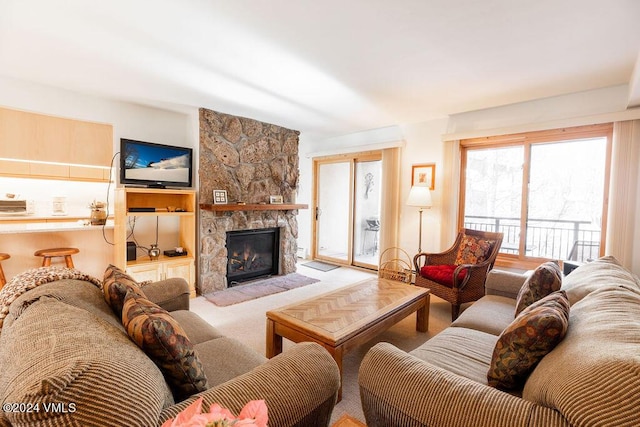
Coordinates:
(324,67)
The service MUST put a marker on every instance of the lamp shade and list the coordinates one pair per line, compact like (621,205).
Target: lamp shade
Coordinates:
(419,196)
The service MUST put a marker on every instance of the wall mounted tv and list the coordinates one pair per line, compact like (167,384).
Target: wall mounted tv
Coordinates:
(154,165)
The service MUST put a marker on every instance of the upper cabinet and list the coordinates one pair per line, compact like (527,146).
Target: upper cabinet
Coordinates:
(76,146)
(17,133)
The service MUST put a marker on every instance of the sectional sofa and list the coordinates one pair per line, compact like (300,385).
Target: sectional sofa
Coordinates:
(590,378)
(66,359)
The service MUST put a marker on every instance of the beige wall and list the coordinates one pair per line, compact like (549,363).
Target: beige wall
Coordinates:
(423,142)
(129,121)
(426,143)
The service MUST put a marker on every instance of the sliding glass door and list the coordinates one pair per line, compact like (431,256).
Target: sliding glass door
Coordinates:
(366,218)
(333,212)
(347,197)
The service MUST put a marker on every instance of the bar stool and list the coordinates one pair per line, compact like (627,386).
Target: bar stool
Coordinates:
(3,280)
(47,254)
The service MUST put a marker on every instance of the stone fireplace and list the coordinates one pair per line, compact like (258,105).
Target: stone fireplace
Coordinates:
(252,253)
(251,160)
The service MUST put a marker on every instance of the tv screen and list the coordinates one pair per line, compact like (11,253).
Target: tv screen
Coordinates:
(154,165)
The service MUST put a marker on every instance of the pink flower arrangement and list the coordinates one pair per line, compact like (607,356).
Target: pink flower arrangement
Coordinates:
(254,414)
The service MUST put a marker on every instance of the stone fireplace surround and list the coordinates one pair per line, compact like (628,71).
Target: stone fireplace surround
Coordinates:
(251,160)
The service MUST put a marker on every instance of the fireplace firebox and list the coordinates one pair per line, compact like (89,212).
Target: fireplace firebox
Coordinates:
(252,254)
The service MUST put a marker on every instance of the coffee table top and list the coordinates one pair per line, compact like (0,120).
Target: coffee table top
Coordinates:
(336,316)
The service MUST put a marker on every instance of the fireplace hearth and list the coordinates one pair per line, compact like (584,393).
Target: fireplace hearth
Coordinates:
(252,253)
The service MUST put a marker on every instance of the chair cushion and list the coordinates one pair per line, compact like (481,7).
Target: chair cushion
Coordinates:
(442,273)
(546,278)
(162,339)
(531,335)
(473,250)
(115,286)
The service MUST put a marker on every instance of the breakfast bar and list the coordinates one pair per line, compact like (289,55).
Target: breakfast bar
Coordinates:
(21,236)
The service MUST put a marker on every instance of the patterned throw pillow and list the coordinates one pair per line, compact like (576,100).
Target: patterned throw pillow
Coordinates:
(473,250)
(531,335)
(115,286)
(165,342)
(546,278)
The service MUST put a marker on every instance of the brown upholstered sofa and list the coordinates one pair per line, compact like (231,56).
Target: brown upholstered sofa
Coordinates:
(591,378)
(61,344)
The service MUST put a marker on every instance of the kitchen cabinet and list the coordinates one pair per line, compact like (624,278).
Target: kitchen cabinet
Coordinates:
(24,169)
(35,137)
(17,133)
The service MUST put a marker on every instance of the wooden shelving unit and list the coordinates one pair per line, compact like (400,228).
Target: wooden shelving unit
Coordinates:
(174,203)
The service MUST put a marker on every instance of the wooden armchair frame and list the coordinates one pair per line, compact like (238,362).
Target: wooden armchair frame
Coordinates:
(471,287)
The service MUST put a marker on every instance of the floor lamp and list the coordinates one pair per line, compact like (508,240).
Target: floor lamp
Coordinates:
(420,196)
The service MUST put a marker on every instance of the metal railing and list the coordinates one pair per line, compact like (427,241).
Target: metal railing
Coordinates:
(555,239)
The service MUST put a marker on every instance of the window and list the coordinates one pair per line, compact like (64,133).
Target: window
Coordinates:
(545,191)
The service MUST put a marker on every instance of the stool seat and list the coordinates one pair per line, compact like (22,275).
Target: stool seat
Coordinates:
(47,254)
(3,280)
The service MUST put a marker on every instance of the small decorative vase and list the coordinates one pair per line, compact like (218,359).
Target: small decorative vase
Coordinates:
(154,252)
(98,216)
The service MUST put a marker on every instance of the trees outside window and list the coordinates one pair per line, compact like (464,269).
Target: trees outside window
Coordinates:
(545,191)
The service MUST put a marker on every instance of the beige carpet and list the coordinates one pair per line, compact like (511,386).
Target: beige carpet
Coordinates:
(246,322)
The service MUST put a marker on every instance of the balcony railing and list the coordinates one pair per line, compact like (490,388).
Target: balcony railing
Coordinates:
(555,239)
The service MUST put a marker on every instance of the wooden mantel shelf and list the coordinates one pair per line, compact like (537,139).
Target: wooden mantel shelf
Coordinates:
(251,207)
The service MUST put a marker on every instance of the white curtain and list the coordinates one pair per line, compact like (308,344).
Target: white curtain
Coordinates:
(450,197)
(390,203)
(623,230)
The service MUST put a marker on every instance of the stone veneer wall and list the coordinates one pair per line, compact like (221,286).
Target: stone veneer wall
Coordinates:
(251,160)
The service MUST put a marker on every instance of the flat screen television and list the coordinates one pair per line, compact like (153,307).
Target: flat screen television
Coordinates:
(155,165)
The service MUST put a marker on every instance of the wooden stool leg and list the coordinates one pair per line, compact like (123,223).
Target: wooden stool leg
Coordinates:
(46,261)
(68,260)
(3,280)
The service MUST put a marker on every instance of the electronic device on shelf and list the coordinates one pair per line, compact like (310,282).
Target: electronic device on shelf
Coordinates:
(132,209)
(155,165)
(175,253)
(131,251)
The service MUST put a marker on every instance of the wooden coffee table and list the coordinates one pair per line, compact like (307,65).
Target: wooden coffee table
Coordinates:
(346,318)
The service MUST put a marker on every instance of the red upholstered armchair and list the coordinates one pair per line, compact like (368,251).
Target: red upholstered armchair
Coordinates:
(457,275)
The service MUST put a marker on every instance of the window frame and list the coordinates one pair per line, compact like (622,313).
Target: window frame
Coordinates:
(527,140)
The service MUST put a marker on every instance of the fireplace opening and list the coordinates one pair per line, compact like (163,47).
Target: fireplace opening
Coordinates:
(252,254)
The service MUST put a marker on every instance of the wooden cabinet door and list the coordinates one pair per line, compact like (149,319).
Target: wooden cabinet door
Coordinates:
(183,268)
(39,137)
(17,134)
(92,143)
(145,272)
(52,140)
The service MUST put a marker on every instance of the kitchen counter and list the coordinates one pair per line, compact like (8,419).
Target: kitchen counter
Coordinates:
(30,224)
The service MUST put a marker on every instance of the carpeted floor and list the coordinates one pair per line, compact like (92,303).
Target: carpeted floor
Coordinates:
(259,288)
(247,322)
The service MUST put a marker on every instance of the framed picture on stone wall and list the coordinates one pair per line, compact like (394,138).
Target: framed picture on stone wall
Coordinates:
(275,200)
(220,197)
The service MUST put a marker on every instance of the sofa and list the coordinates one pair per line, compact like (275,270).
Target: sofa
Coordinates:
(590,378)
(67,360)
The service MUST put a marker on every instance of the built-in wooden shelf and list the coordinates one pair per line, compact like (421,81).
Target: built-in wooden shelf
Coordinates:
(251,207)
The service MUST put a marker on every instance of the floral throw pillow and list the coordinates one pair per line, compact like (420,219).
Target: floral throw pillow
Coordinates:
(164,341)
(546,278)
(533,334)
(115,286)
(473,250)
